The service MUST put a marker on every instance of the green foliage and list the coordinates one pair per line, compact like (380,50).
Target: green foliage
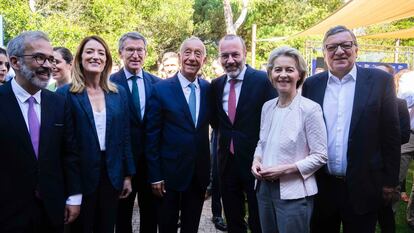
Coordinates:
(166,23)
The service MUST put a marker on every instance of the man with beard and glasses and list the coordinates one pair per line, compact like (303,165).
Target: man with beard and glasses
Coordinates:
(39,169)
(238,97)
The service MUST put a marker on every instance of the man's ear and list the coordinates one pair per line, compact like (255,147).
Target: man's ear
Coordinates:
(14,62)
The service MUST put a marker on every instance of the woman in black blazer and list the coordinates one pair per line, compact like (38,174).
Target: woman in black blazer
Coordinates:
(100,115)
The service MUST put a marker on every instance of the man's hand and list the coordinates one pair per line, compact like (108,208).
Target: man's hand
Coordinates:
(127,189)
(257,168)
(71,213)
(158,189)
(387,194)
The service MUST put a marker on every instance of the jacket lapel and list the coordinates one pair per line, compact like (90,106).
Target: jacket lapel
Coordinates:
(110,109)
(83,100)
(221,84)
(362,93)
(15,117)
(179,94)
(320,89)
(121,79)
(203,103)
(47,122)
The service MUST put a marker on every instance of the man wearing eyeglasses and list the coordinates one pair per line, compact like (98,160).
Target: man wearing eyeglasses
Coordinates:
(39,168)
(133,51)
(361,117)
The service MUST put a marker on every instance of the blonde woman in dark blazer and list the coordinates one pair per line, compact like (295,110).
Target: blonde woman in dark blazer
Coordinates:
(292,147)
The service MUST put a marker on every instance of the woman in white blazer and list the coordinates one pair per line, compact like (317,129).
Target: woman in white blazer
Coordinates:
(292,147)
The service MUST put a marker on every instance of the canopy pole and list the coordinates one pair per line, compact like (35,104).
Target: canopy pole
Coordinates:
(397,45)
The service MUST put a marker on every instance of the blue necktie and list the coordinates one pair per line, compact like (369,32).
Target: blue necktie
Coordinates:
(135,95)
(192,102)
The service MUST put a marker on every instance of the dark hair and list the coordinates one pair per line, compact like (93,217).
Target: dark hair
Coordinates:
(336,30)
(389,68)
(231,37)
(4,52)
(66,54)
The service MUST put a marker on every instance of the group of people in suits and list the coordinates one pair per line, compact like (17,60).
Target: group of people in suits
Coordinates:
(306,161)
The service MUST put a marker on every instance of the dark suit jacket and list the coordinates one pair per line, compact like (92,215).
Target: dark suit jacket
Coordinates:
(404,117)
(56,172)
(137,126)
(374,136)
(255,91)
(176,150)
(118,157)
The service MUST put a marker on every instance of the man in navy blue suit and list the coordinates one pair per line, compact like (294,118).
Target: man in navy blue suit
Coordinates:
(39,168)
(133,50)
(177,141)
(238,97)
(361,117)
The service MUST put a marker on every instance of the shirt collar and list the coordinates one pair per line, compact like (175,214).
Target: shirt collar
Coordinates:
(128,74)
(21,94)
(351,75)
(184,81)
(240,77)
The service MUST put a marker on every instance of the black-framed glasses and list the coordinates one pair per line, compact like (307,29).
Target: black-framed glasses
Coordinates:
(130,51)
(344,46)
(41,58)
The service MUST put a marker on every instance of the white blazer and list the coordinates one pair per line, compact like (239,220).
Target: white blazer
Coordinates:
(303,142)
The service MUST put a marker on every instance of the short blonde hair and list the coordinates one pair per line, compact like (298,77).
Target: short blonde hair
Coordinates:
(78,77)
(288,52)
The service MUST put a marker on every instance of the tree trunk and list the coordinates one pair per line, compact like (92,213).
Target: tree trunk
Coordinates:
(231,28)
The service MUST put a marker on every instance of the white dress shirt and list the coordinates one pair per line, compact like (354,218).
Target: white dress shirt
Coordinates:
(237,87)
(337,109)
(22,96)
(141,88)
(100,125)
(406,92)
(187,91)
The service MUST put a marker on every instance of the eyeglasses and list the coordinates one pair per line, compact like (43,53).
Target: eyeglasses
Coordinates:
(131,51)
(344,46)
(41,58)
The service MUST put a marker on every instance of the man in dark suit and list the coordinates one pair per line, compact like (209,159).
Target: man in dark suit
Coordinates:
(238,97)
(177,141)
(133,50)
(361,117)
(39,169)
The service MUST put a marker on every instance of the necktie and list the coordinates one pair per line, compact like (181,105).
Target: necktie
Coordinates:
(34,126)
(135,95)
(192,102)
(232,107)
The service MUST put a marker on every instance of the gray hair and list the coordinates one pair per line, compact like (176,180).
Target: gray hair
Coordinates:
(17,45)
(133,36)
(288,52)
(231,37)
(190,39)
(336,30)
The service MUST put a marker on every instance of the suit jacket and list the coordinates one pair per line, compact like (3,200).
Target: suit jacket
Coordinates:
(374,136)
(256,89)
(302,142)
(56,172)
(118,157)
(137,126)
(404,117)
(178,151)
